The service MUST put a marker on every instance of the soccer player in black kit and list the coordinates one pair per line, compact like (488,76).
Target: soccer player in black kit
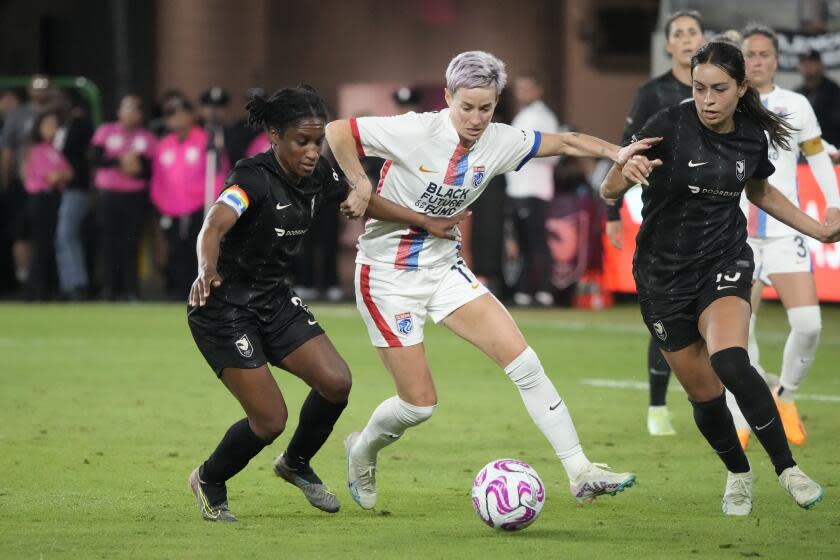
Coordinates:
(693,267)
(242,313)
(683,35)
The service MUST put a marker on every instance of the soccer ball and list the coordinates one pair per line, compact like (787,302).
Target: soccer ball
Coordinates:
(508,494)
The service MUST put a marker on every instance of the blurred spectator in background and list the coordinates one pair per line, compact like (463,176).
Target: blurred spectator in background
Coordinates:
(530,190)
(157,124)
(824,95)
(10,100)
(17,131)
(121,153)
(45,174)
(179,169)
(73,141)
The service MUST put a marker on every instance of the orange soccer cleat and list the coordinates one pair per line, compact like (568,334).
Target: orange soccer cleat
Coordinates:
(794,429)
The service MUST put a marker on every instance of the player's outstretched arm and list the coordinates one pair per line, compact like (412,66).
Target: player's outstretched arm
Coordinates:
(343,146)
(622,177)
(768,198)
(583,145)
(217,223)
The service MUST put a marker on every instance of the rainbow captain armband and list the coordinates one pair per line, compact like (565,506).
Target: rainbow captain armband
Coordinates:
(236,198)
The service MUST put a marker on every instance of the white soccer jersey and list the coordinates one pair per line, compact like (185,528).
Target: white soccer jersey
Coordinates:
(428,171)
(798,112)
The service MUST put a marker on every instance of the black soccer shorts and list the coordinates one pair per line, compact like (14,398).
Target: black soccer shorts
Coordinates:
(235,337)
(674,324)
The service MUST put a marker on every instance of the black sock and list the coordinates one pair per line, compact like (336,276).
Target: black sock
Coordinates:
(715,423)
(317,418)
(659,372)
(756,403)
(239,445)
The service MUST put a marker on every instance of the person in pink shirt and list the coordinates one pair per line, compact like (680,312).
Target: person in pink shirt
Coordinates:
(45,173)
(121,152)
(179,168)
(258,145)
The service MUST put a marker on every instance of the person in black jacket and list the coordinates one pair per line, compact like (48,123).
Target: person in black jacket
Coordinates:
(684,35)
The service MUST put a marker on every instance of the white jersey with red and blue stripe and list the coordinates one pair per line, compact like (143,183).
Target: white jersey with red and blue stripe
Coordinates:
(797,111)
(429,171)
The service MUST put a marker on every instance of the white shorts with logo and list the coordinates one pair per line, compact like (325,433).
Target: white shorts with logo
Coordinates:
(394,303)
(778,255)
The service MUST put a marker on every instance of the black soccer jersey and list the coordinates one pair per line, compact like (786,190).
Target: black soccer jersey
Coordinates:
(691,218)
(656,94)
(255,255)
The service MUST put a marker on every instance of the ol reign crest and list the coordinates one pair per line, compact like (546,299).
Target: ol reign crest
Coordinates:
(404,323)
(244,346)
(659,329)
(739,169)
(478,175)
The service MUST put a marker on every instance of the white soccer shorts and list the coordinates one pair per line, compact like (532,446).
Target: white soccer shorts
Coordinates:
(395,303)
(778,255)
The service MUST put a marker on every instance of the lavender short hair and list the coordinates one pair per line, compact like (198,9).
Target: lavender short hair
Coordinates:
(476,69)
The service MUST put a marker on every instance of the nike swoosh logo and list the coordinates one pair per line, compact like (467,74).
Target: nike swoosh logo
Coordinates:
(692,164)
(556,405)
(424,170)
(474,286)
(312,321)
(757,429)
(725,287)
(279,207)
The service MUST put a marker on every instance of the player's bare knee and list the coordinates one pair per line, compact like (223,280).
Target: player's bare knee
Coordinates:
(337,388)
(269,427)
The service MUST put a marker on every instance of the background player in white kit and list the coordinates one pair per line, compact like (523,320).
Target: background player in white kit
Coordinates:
(437,164)
(781,254)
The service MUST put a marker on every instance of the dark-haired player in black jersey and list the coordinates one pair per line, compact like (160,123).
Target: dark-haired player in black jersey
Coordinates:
(693,267)
(683,36)
(243,315)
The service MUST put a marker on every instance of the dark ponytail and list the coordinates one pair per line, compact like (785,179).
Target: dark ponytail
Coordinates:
(286,107)
(730,59)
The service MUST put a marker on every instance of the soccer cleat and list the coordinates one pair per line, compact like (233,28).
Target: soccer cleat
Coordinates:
(805,492)
(596,481)
(312,487)
(794,429)
(208,512)
(744,437)
(361,476)
(737,496)
(659,421)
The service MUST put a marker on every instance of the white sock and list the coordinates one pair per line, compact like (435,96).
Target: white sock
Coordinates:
(737,416)
(800,348)
(547,410)
(752,351)
(387,424)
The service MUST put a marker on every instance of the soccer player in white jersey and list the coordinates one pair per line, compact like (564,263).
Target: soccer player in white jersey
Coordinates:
(782,258)
(437,164)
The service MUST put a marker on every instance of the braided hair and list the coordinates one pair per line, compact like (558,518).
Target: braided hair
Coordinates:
(286,107)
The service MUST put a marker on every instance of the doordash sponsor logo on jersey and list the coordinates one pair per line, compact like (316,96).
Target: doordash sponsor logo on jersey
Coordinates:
(289,232)
(714,191)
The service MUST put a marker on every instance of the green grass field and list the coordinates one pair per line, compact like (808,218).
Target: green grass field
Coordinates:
(105,409)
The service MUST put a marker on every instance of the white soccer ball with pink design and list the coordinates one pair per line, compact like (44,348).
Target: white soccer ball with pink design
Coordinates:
(508,494)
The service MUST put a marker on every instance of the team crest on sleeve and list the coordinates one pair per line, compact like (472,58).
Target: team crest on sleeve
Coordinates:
(405,324)
(478,175)
(243,344)
(740,166)
(659,329)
